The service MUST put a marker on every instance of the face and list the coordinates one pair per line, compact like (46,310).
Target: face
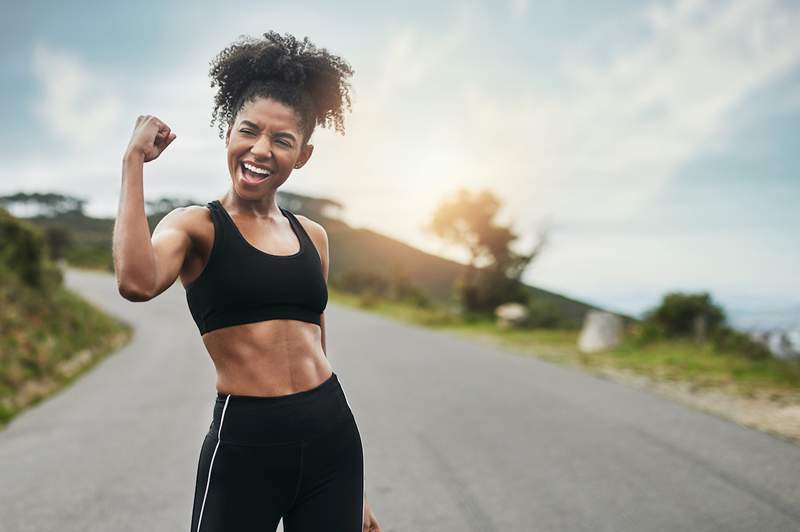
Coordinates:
(265,134)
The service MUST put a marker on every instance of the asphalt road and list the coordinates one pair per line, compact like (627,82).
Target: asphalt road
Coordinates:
(457,436)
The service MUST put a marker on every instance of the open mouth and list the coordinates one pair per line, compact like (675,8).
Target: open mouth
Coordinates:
(252,176)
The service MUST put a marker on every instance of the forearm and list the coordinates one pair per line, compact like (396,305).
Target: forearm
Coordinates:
(134,259)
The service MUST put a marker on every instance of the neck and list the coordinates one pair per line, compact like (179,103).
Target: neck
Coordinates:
(264,207)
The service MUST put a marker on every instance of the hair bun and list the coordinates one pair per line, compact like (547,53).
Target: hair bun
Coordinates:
(297,73)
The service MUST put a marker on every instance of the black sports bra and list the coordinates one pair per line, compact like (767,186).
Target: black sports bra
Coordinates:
(242,284)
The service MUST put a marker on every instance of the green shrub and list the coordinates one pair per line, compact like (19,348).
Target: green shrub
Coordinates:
(361,282)
(543,314)
(58,240)
(405,291)
(369,298)
(23,248)
(679,314)
(95,255)
(373,287)
(729,340)
(677,317)
(645,332)
(489,289)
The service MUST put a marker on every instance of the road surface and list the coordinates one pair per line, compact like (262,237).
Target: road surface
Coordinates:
(457,436)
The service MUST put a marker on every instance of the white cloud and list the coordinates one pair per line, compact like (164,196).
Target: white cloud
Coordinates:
(77,106)
(617,130)
(91,120)
(621,123)
(596,151)
(518,8)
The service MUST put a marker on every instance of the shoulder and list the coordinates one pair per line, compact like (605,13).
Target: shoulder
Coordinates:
(314,229)
(189,220)
(187,215)
(318,235)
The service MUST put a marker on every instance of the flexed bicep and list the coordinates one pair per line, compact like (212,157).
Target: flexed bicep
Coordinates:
(171,244)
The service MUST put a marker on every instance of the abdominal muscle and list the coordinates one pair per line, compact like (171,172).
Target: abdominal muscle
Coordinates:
(268,358)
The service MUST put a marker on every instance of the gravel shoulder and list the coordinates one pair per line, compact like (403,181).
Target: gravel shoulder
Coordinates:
(775,413)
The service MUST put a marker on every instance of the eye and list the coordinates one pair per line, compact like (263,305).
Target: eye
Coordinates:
(287,144)
(246,131)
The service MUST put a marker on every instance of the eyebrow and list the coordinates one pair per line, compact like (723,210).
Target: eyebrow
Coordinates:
(253,124)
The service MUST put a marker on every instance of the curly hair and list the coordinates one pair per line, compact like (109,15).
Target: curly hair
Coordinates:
(309,80)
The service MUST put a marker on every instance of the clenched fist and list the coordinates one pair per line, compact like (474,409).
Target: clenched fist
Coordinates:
(150,137)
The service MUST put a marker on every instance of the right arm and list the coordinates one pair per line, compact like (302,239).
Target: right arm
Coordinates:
(146,267)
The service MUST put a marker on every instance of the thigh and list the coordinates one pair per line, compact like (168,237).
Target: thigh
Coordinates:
(331,494)
(243,488)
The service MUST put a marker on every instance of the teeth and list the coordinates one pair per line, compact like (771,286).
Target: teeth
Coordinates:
(256,170)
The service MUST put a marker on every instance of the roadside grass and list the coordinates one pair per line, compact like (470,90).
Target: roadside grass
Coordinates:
(48,339)
(699,364)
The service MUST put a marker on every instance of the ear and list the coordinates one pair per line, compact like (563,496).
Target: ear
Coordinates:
(305,155)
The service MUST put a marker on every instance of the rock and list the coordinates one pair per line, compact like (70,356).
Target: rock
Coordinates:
(510,315)
(601,330)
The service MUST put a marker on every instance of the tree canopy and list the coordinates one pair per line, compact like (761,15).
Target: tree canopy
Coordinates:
(467,219)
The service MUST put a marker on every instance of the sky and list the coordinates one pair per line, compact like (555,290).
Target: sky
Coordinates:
(655,142)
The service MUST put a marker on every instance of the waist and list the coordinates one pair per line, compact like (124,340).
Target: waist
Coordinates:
(296,417)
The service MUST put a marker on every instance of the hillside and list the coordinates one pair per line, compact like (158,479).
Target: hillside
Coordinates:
(353,250)
(48,334)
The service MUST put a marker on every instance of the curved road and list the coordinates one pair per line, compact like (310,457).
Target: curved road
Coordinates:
(457,436)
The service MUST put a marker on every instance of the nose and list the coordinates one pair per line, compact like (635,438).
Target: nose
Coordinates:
(262,148)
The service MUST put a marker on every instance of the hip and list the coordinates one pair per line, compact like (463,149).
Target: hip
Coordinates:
(294,418)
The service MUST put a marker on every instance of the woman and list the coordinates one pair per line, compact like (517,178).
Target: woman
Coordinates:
(283,441)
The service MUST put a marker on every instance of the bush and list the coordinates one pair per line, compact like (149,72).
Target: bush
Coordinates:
(644,332)
(726,339)
(58,239)
(23,248)
(402,289)
(679,315)
(369,298)
(361,282)
(373,287)
(543,314)
(489,289)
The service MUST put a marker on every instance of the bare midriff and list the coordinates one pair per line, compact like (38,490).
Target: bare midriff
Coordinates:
(268,358)
(265,358)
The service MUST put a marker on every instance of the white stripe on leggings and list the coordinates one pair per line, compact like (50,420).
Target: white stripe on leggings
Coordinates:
(208,481)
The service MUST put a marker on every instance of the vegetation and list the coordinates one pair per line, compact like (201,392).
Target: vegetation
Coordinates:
(467,220)
(357,254)
(371,286)
(685,316)
(684,338)
(704,365)
(48,335)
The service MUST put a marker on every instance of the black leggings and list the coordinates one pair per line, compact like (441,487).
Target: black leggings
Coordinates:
(296,456)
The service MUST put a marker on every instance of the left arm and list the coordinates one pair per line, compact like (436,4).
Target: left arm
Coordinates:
(320,237)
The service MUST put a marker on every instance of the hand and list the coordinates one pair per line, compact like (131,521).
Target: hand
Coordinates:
(370,522)
(150,137)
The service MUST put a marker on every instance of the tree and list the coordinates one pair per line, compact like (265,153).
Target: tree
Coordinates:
(492,275)
(49,204)
(161,206)
(58,240)
(686,314)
